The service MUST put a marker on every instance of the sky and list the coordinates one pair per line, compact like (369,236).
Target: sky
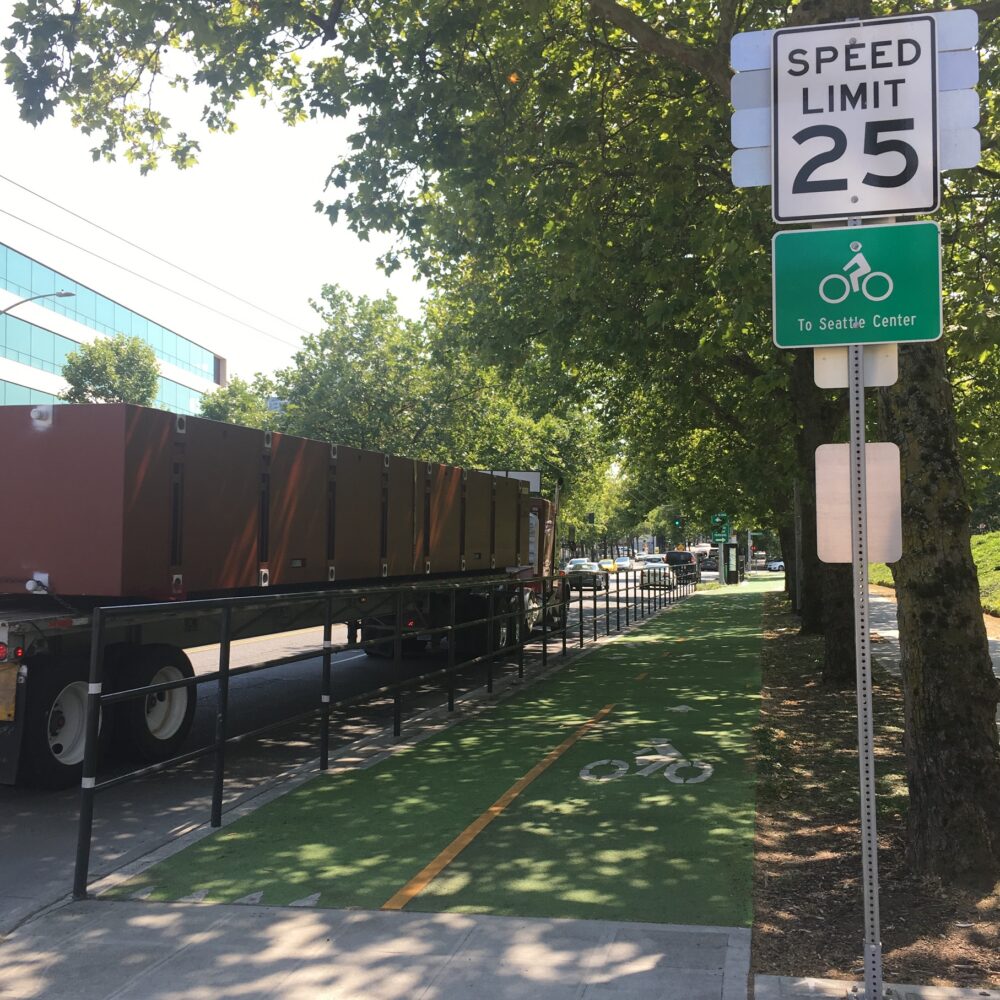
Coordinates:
(242,219)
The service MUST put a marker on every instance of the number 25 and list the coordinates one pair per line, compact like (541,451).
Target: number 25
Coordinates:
(874,146)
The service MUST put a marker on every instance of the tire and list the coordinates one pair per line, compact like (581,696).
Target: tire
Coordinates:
(414,646)
(473,641)
(55,723)
(383,651)
(532,613)
(152,728)
(561,593)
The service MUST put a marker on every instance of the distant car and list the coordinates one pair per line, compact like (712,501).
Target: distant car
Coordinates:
(776,565)
(655,570)
(623,562)
(608,565)
(586,575)
(710,564)
(684,563)
(574,562)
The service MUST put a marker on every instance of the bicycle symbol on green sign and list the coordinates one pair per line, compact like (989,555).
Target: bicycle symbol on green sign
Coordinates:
(861,276)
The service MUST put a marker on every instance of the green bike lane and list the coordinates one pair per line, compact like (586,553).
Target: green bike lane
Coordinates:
(619,788)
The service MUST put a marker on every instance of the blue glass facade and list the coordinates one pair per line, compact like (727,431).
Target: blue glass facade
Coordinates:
(31,345)
(12,394)
(39,348)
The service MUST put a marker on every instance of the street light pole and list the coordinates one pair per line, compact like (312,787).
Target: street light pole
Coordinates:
(63,294)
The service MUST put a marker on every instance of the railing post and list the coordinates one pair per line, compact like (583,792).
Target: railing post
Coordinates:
(452,640)
(595,606)
(221,716)
(522,629)
(397,668)
(564,603)
(607,605)
(628,598)
(580,606)
(93,723)
(491,622)
(545,621)
(324,695)
(618,603)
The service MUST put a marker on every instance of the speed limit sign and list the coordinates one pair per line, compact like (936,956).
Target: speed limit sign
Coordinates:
(854,124)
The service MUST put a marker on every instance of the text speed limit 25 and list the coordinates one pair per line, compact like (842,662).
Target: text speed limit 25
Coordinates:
(855,129)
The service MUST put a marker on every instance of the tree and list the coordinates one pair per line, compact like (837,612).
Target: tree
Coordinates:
(116,369)
(559,171)
(373,379)
(241,402)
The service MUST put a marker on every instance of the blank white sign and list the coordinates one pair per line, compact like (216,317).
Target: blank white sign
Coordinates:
(834,538)
(831,370)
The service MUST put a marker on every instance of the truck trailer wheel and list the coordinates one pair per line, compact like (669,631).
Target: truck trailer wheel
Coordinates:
(56,723)
(152,728)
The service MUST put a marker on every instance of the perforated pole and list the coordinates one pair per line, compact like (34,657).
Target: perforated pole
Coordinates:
(862,647)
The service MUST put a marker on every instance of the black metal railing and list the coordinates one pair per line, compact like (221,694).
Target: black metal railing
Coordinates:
(644,594)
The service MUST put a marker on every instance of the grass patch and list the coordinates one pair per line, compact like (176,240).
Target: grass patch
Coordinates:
(985,554)
(808,917)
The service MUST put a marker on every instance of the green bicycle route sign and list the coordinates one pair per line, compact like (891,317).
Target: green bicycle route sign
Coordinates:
(857,285)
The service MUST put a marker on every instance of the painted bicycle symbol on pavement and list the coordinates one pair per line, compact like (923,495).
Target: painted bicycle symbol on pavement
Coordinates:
(658,755)
(835,287)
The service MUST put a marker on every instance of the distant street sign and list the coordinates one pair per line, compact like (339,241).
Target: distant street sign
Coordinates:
(857,285)
(720,536)
(854,119)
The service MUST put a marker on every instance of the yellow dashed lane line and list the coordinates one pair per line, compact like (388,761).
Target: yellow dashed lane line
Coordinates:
(425,876)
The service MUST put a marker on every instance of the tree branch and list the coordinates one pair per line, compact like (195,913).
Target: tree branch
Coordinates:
(987,11)
(707,63)
(328,24)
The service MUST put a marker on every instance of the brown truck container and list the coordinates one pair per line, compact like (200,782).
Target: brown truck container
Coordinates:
(124,501)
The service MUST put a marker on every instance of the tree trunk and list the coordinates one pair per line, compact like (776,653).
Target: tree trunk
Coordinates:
(950,693)
(786,535)
(809,415)
(839,660)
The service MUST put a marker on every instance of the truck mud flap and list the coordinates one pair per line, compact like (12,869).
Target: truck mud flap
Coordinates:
(10,749)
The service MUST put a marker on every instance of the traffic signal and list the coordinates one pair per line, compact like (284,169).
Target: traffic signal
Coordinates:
(678,522)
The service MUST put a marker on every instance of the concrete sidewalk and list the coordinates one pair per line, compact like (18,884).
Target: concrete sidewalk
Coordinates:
(130,950)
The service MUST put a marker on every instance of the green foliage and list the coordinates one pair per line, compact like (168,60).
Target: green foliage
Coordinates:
(562,185)
(117,369)
(985,554)
(241,402)
(373,379)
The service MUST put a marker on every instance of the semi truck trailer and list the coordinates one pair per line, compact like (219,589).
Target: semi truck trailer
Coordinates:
(113,504)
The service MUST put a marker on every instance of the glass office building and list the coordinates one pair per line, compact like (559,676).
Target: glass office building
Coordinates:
(35,338)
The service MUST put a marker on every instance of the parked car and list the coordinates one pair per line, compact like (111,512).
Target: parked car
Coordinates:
(608,565)
(710,564)
(685,565)
(776,565)
(586,575)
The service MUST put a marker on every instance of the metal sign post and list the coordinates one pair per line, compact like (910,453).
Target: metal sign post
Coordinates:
(849,120)
(862,647)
